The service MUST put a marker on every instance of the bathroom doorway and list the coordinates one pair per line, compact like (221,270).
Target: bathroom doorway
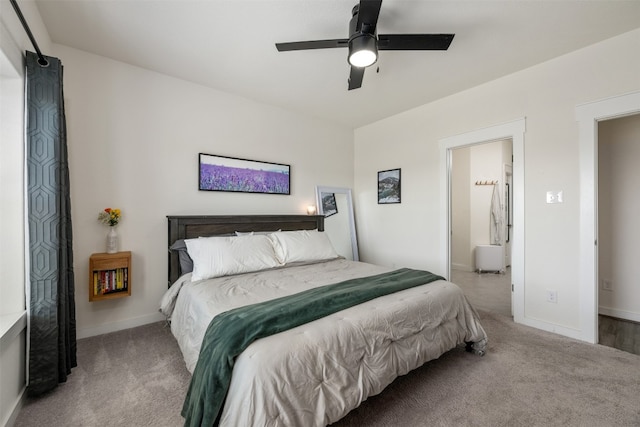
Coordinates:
(513,131)
(481,176)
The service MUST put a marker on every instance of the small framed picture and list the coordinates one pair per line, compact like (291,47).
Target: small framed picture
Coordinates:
(389,186)
(329,205)
(220,173)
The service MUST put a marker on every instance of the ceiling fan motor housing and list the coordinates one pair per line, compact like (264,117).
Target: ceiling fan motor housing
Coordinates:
(361,38)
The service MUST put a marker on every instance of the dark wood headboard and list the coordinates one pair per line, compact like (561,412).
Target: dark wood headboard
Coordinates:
(189,227)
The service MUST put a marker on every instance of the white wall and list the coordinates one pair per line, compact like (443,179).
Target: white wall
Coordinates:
(618,207)
(134,138)
(546,95)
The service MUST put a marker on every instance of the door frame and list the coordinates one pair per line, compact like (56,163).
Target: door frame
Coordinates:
(507,194)
(512,130)
(588,116)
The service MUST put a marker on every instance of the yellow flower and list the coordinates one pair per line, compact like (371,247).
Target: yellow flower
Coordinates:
(110,216)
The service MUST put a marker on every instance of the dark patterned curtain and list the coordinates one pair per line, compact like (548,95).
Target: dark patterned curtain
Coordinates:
(52,314)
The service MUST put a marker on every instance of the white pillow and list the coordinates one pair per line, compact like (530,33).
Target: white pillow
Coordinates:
(251,233)
(303,245)
(223,256)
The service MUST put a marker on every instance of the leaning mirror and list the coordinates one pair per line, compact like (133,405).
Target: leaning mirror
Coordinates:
(336,205)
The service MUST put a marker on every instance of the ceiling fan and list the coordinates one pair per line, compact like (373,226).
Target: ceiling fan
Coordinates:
(364,43)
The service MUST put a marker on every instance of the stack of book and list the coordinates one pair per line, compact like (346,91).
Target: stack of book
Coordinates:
(109,281)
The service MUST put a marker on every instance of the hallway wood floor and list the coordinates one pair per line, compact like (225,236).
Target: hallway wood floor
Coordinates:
(619,333)
(492,292)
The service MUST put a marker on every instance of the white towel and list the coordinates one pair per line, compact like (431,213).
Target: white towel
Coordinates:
(496,218)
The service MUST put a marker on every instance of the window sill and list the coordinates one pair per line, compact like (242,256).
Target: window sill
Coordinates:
(11,325)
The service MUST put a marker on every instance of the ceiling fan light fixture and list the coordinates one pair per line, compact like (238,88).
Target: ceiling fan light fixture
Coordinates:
(364,41)
(363,50)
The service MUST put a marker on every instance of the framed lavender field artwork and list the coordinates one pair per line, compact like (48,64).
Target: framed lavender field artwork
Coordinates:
(220,173)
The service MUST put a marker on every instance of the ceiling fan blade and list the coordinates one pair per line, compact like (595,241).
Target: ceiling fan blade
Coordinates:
(355,77)
(368,13)
(414,41)
(312,44)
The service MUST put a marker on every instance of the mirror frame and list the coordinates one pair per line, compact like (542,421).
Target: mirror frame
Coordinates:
(352,223)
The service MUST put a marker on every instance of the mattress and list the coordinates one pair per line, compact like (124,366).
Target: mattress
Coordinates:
(316,373)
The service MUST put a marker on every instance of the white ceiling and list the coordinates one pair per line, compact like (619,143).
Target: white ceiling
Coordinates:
(229,45)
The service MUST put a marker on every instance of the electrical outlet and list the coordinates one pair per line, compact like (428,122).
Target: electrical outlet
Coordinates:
(552,296)
(607,285)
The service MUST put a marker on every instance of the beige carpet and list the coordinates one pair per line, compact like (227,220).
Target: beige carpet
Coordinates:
(131,378)
(528,378)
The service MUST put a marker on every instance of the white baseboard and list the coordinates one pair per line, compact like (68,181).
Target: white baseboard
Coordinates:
(554,328)
(13,416)
(576,333)
(620,314)
(106,328)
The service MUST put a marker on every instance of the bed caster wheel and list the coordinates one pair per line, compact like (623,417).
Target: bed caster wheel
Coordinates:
(478,348)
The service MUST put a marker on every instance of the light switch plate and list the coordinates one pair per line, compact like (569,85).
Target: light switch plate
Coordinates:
(554,196)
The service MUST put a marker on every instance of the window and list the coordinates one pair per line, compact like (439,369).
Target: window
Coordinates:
(12,246)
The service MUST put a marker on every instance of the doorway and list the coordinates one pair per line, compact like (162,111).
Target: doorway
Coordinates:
(588,116)
(618,204)
(480,254)
(513,131)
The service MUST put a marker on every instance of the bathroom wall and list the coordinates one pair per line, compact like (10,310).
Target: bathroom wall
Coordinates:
(471,203)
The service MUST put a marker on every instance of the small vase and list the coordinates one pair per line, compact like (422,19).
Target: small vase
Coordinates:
(112,241)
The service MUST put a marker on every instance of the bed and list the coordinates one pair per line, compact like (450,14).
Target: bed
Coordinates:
(314,373)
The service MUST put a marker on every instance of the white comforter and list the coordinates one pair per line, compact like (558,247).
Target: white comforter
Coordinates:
(316,373)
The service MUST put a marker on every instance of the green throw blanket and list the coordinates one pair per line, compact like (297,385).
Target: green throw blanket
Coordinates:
(231,332)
